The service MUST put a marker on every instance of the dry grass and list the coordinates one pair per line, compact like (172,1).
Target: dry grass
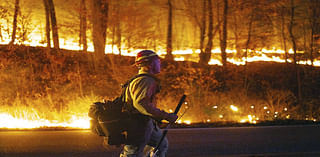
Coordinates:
(35,85)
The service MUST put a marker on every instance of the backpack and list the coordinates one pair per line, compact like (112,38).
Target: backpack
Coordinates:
(108,119)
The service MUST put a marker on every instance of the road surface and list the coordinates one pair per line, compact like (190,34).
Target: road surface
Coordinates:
(201,142)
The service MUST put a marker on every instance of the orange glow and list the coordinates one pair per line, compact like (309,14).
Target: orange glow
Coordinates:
(10,122)
(37,115)
(32,118)
(179,59)
(250,119)
(234,108)
(71,44)
(184,122)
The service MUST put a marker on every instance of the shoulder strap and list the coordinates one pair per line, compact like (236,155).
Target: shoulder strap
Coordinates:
(124,87)
(137,76)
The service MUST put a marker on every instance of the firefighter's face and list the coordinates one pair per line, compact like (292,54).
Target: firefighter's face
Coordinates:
(156,66)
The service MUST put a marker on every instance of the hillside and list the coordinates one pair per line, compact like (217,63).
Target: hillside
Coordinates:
(54,85)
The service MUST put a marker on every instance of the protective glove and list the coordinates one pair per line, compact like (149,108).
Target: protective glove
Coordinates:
(171,117)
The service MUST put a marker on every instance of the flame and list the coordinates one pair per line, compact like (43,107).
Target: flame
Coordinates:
(234,108)
(36,37)
(250,119)
(70,44)
(187,122)
(32,119)
(10,122)
(31,113)
(179,59)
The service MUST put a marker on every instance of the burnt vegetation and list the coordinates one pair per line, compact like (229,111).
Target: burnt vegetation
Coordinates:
(56,79)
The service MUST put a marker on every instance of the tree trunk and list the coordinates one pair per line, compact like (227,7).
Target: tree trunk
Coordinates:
(203,26)
(249,37)
(314,17)
(14,25)
(311,45)
(118,30)
(223,41)
(116,33)
(1,38)
(283,35)
(83,26)
(291,33)
(202,31)
(207,54)
(305,47)
(246,52)
(169,35)
(113,38)
(54,25)
(99,26)
(297,71)
(236,34)
(237,25)
(47,12)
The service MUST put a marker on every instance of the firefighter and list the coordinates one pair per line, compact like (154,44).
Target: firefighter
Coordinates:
(140,97)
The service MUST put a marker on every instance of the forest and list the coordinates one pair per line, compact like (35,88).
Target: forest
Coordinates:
(58,57)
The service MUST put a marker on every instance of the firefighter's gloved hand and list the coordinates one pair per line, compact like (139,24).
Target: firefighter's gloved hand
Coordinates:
(171,117)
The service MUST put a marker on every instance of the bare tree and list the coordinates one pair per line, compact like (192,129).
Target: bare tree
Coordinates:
(99,24)
(283,34)
(25,26)
(249,35)
(51,20)
(250,23)
(203,55)
(112,20)
(54,25)
(313,22)
(204,20)
(14,25)
(118,27)
(47,12)
(115,23)
(83,26)
(206,55)
(236,18)
(292,37)
(2,16)
(203,27)
(294,45)
(223,34)
(169,32)
(210,32)
(199,18)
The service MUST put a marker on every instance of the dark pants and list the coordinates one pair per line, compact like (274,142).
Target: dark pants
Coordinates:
(143,132)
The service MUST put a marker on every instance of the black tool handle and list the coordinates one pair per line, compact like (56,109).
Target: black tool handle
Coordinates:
(180,104)
(166,131)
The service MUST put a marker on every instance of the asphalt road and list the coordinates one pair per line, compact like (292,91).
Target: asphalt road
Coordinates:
(203,142)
